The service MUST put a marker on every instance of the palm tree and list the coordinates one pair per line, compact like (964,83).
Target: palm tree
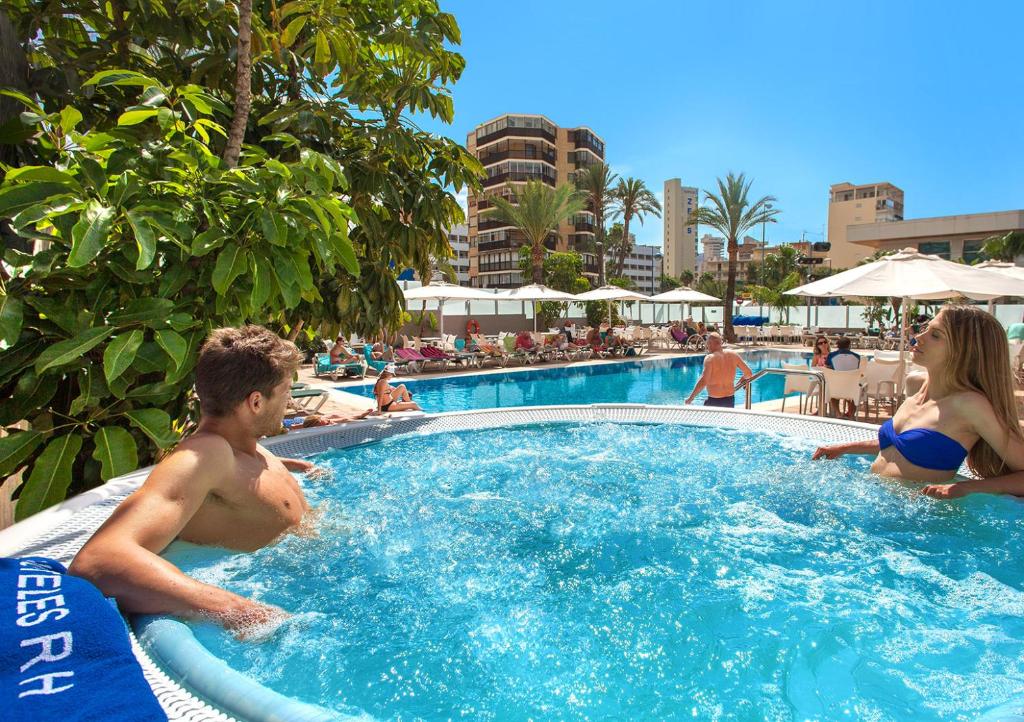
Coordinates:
(537,213)
(1005,247)
(596,184)
(243,85)
(632,199)
(732,214)
(686,277)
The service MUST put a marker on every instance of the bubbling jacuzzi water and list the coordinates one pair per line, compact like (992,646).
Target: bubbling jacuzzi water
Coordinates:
(623,571)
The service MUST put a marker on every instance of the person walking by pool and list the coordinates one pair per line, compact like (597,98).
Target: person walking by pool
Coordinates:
(719,376)
(218,487)
(965,410)
(392,398)
(821,352)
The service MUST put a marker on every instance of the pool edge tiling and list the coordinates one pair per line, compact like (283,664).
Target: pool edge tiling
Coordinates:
(63,529)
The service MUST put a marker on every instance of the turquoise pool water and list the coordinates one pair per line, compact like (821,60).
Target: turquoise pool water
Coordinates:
(661,381)
(605,572)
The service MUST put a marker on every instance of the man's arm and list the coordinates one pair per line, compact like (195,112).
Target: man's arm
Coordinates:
(296,464)
(744,369)
(122,556)
(701,382)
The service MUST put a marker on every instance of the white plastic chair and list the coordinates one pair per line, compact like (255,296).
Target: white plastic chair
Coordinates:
(879,384)
(843,386)
(803,385)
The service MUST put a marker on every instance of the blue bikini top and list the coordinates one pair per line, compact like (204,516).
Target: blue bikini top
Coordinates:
(926,448)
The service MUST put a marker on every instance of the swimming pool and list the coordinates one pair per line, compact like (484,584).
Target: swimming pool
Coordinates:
(580,568)
(655,381)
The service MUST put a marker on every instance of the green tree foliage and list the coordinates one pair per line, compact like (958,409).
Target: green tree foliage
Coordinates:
(733,214)
(631,199)
(149,238)
(687,278)
(667,283)
(562,272)
(1005,247)
(537,212)
(597,183)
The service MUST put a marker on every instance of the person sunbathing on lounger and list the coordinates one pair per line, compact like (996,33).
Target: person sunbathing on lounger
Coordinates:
(392,398)
(341,354)
(218,487)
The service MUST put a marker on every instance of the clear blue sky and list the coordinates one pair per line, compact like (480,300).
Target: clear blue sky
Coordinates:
(926,94)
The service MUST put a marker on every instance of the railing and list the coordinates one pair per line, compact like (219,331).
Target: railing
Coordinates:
(745,384)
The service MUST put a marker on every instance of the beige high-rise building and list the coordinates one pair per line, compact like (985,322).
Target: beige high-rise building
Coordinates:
(680,236)
(513,150)
(850,205)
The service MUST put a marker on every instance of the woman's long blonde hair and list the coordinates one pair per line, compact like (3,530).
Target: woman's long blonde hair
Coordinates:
(979,360)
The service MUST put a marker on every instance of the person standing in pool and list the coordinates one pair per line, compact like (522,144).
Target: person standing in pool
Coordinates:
(965,410)
(719,376)
(218,487)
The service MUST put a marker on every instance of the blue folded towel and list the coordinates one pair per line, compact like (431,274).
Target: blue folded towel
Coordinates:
(64,650)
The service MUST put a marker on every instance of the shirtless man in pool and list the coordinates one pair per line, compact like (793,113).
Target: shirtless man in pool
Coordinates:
(218,487)
(719,376)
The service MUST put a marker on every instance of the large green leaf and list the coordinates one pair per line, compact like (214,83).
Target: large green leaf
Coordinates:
(261,285)
(50,477)
(91,389)
(134,117)
(120,77)
(40,173)
(175,346)
(115,450)
(71,350)
(90,233)
(230,265)
(16,198)
(120,353)
(147,311)
(32,392)
(145,239)
(15,448)
(11,314)
(154,423)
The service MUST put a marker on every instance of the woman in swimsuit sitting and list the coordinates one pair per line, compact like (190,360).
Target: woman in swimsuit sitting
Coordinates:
(394,398)
(965,410)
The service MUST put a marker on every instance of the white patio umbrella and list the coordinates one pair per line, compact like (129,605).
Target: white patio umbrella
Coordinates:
(908,274)
(534,292)
(611,293)
(442,292)
(682,295)
(1007,269)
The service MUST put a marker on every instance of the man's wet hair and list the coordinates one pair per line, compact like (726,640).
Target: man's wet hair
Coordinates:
(234,362)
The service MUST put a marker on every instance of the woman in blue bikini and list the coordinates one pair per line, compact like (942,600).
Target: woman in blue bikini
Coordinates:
(964,411)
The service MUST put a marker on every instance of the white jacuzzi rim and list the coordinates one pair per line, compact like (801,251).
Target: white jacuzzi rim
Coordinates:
(237,693)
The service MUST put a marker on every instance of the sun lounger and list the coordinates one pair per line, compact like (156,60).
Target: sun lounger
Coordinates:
(417,361)
(306,398)
(322,367)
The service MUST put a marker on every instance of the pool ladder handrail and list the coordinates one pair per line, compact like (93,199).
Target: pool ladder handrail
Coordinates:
(745,384)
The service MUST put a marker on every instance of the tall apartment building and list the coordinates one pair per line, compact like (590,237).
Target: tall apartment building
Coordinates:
(514,149)
(680,236)
(850,205)
(714,247)
(642,266)
(747,251)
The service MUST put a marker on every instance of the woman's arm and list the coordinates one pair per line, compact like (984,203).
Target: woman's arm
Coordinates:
(1010,447)
(834,451)
(1006,484)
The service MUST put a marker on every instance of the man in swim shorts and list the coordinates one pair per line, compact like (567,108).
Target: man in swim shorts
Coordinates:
(719,376)
(218,487)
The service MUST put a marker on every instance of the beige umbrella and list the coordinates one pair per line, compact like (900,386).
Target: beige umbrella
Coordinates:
(442,292)
(611,293)
(912,275)
(682,295)
(534,292)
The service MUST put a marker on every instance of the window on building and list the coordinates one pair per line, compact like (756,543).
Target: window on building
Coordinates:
(935,248)
(972,250)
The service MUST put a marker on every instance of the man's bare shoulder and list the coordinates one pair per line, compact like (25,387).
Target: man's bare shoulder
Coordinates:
(200,455)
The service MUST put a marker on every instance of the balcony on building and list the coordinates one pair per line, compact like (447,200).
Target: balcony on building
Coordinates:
(516,150)
(491,224)
(583,138)
(515,126)
(519,171)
